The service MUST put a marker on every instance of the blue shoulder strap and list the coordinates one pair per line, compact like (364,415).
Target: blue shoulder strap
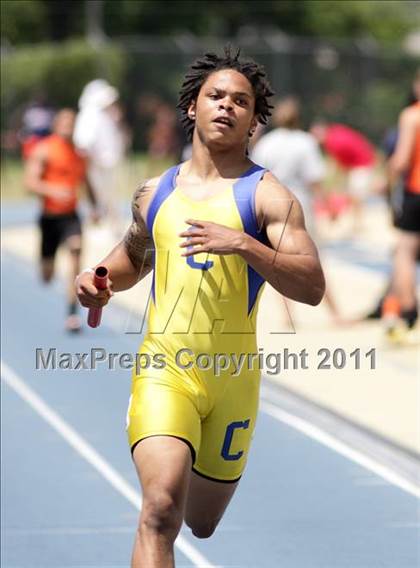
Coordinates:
(164,189)
(244,192)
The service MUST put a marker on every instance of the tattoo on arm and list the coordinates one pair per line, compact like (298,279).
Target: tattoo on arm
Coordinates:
(137,241)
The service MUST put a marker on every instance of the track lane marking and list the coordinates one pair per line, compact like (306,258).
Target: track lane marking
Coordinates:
(341,448)
(87,452)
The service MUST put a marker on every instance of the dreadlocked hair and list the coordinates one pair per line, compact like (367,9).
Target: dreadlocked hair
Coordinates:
(204,66)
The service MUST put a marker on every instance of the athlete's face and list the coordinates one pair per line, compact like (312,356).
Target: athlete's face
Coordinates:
(64,124)
(224,112)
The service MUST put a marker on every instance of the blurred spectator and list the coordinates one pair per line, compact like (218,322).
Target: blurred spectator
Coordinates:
(293,156)
(393,195)
(101,135)
(260,130)
(354,154)
(55,171)
(162,138)
(162,135)
(389,144)
(404,174)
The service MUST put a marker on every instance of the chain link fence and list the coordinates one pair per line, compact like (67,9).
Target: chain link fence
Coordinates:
(357,83)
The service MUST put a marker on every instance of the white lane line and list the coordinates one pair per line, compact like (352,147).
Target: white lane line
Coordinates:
(341,448)
(84,449)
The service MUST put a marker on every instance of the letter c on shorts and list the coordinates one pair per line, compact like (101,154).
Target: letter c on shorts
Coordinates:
(230,430)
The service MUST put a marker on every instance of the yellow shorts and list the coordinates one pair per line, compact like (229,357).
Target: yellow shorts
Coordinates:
(215,416)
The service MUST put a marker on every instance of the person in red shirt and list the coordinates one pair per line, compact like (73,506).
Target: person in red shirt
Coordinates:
(404,178)
(55,171)
(354,154)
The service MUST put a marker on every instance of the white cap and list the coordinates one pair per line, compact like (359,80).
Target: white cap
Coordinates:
(99,94)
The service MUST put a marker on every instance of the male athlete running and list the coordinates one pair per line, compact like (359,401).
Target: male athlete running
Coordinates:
(219,226)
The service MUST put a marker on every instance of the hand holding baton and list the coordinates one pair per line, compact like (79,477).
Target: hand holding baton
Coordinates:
(99,280)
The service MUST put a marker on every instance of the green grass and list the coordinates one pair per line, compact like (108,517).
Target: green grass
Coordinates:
(12,180)
(136,169)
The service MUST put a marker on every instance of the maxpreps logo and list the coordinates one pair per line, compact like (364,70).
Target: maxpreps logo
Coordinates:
(51,359)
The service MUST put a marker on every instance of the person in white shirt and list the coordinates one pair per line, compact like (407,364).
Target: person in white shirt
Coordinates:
(98,133)
(294,157)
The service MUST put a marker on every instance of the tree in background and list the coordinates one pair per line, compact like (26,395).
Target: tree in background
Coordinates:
(343,58)
(25,21)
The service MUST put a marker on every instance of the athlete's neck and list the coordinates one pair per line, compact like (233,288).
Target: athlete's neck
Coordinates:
(210,164)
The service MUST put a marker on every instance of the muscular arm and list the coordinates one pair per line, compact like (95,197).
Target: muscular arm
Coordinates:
(292,265)
(127,263)
(131,259)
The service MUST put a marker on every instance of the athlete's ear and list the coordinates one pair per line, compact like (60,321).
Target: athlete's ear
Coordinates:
(253,127)
(191,110)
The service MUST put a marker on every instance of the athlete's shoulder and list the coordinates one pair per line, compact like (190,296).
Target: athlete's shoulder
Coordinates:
(274,200)
(146,191)
(143,194)
(149,184)
(42,148)
(270,185)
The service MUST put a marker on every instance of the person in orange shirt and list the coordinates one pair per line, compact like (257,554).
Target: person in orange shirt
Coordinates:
(55,171)
(404,174)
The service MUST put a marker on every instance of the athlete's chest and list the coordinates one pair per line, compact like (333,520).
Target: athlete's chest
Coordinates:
(64,163)
(171,219)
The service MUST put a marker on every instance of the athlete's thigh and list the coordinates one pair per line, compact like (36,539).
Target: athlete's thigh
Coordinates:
(47,268)
(207,501)
(163,464)
(226,433)
(50,237)
(407,213)
(71,234)
(409,240)
(159,407)
(225,441)
(74,244)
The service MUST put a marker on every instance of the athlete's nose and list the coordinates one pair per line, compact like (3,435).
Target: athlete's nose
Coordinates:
(225,105)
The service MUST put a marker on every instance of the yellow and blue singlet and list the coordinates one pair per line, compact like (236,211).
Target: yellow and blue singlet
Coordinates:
(202,304)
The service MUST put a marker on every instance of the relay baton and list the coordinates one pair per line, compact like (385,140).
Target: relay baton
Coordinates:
(99,280)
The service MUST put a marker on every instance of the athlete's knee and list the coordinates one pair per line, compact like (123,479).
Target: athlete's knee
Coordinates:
(47,276)
(47,271)
(74,245)
(75,252)
(203,529)
(407,245)
(161,514)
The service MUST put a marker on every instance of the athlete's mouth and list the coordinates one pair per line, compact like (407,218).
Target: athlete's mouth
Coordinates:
(224,120)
